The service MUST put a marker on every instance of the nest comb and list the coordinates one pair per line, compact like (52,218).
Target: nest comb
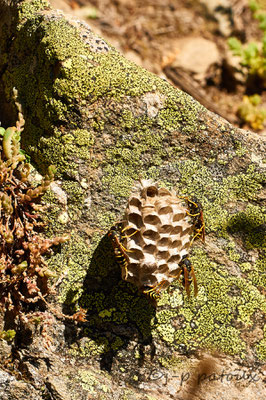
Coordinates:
(157,235)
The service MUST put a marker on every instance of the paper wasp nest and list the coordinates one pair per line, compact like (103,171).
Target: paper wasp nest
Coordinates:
(157,234)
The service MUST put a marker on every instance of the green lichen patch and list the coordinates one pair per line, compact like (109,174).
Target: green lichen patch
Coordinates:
(87,111)
(88,381)
(71,263)
(27,8)
(251,224)
(261,346)
(63,71)
(214,189)
(91,347)
(257,274)
(212,319)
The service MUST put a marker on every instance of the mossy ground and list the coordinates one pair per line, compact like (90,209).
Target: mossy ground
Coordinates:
(90,119)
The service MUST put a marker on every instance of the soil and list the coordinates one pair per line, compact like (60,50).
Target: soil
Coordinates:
(151,33)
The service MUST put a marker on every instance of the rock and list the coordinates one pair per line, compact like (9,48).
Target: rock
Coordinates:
(203,52)
(222,11)
(104,121)
(11,388)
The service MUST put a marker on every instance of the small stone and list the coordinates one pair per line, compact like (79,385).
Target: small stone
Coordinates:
(84,184)
(63,218)
(222,11)
(59,193)
(203,52)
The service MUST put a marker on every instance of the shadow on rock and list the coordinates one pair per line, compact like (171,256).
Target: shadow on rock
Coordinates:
(117,315)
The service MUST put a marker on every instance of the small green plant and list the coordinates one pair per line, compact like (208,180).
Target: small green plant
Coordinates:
(249,112)
(253,54)
(8,335)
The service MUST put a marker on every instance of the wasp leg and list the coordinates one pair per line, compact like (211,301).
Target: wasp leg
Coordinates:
(128,236)
(183,197)
(126,272)
(192,202)
(125,249)
(155,290)
(200,232)
(186,281)
(177,276)
(194,281)
(192,215)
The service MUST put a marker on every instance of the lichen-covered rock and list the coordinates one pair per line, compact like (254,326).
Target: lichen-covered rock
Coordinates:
(103,121)
(157,234)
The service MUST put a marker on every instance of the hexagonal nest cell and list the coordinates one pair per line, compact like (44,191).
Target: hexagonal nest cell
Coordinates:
(156,234)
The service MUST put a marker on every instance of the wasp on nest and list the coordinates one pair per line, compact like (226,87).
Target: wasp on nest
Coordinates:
(153,240)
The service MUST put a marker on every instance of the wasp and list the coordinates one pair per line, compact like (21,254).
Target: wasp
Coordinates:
(195,211)
(187,271)
(115,234)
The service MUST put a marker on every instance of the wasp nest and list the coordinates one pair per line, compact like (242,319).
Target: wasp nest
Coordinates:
(156,235)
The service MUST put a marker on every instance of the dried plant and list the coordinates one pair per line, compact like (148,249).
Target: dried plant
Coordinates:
(23,271)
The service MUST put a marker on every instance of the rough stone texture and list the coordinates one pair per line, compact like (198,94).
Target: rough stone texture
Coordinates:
(103,121)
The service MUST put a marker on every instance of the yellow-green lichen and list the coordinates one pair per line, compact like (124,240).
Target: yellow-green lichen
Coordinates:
(90,347)
(166,332)
(261,346)
(51,83)
(27,8)
(83,137)
(107,74)
(251,223)
(207,320)
(88,381)
(71,263)
(106,220)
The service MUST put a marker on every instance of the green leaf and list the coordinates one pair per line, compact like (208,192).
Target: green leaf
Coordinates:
(27,157)
(251,52)
(262,18)
(236,46)
(255,99)
(254,6)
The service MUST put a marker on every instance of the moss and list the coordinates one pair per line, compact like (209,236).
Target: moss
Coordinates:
(8,335)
